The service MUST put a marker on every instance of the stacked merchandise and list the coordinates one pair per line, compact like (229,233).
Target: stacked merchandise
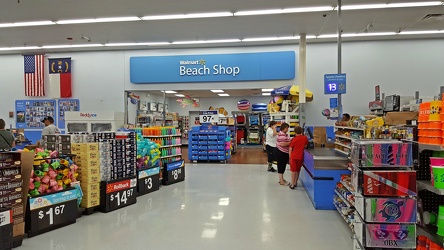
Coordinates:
(385,194)
(169,140)
(184,122)
(209,143)
(87,160)
(51,173)
(11,201)
(431,124)
(60,143)
(344,200)
(105,160)
(148,164)
(124,155)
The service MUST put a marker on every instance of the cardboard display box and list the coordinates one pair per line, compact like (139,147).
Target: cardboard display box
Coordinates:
(400,118)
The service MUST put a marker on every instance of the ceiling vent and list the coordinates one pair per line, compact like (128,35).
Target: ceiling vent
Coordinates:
(433,17)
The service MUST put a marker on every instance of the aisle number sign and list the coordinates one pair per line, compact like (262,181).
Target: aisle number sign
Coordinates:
(208,116)
(335,84)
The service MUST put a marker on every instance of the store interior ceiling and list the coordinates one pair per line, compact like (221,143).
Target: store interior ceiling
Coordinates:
(66,25)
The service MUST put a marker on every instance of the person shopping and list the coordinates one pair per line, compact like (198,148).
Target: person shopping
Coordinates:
(270,144)
(281,152)
(296,152)
(50,128)
(7,140)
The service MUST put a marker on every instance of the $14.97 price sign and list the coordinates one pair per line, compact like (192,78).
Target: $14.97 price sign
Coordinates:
(117,194)
(174,172)
(148,180)
(48,212)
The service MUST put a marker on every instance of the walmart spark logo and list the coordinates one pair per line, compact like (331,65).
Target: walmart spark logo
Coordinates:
(202,62)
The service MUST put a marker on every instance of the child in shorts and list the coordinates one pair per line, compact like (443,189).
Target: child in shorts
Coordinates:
(296,152)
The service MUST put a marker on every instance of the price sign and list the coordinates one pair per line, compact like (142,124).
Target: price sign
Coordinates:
(208,116)
(335,84)
(148,180)
(117,194)
(174,172)
(51,211)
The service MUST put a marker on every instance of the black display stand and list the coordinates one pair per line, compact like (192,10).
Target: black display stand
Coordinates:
(148,180)
(173,172)
(6,239)
(117,194)
(47,212)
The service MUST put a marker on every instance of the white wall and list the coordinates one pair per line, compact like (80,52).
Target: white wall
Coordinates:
(229,103)
(401,67)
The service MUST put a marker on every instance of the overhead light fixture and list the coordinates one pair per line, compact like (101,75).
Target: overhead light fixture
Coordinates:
(283,11)
(169,92)
(19,48)
(187,16)
(99,20)
(421,32)
(266,94)
(179,95)
(267,90)
(24,24)
(358,35)
(223,94)
(208,41)
(217,91)
(262,39)
(391,5)
(72,46)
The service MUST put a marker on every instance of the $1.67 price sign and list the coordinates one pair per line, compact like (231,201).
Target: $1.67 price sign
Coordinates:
(148,180)
(117,194)
(51,211)
(174,172)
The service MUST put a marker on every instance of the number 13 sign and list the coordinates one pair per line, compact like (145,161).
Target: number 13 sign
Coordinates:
(335,84)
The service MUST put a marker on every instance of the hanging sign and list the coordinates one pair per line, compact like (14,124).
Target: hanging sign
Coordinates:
(335,84)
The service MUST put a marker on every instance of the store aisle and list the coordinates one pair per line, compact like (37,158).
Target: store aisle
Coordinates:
(219,206)
(244,155)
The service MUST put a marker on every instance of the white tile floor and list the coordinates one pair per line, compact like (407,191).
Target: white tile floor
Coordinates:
(217,207)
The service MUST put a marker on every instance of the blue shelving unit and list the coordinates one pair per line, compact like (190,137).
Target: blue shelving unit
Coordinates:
(209,143)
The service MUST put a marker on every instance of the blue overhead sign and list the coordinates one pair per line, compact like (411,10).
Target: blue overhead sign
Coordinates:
(213,68)
(335,84)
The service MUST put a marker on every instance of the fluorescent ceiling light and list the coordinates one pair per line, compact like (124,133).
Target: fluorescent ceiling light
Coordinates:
(72,46)
(358,35)
(169,91)
(283,11)
(223,94)
(421,32)
(23,24)
(19,48)
(265,94)
(99,20)
(158,43)
(208,41)
(261,39)
(217,91)
(390,5)
(179,95)
(267,90)
(186,16)
(138,44)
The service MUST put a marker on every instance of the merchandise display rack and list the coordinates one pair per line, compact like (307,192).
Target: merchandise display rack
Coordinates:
(169,140)
(209,143)
(290,116)
(385,194)
(339,209)
(344,137)
(430,196)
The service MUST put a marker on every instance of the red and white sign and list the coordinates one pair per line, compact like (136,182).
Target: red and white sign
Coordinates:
(121,185)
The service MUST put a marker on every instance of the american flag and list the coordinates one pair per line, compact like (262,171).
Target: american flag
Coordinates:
(34,75)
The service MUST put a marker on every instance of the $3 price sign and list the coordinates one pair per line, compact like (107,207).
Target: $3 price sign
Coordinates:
(149,184)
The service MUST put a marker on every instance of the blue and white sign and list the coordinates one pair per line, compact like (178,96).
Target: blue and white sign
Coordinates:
(174,165)
(208,116)
(335,84)
(30,113)
(213,67)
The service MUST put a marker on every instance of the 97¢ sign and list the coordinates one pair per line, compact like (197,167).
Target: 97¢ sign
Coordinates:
(208,116)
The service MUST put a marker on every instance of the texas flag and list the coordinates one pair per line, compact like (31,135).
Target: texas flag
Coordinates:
(60,78)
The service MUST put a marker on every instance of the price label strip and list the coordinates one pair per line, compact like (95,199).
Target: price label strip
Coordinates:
(208,116)
(117,194)
(51,211)
(148,181)
(174,172)
(6,228)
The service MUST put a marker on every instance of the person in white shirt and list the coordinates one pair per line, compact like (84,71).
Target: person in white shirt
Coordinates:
(270,144)
(50,128)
